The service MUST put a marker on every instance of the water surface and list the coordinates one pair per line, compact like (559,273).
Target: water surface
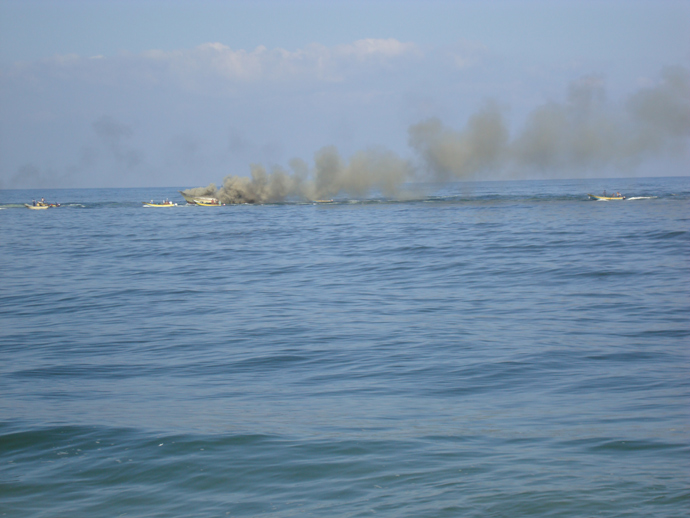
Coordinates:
(493,349)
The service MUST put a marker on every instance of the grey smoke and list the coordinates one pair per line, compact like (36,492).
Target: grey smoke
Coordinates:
(586,132)
(113,134)
(583,134)
(113,143)
(449,154)
(374,169)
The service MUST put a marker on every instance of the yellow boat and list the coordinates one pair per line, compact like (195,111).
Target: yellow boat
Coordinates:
(606,198)
(38,206)
(164,204)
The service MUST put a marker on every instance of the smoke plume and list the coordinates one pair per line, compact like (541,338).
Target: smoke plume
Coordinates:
(584,133)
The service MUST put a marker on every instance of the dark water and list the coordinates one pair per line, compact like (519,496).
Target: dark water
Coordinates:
(496,349)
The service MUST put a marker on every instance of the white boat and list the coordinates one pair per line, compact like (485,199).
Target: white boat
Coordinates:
(199,200)
(607,198)
(165,203)
(212,203)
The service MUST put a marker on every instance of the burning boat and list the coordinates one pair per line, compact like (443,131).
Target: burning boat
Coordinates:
(200,200)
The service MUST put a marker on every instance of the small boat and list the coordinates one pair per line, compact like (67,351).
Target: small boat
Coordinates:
(39,205)
(213,203)
(199,200)
(165,203)
(606,198)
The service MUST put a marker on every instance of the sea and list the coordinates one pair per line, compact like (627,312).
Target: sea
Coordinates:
(499,349)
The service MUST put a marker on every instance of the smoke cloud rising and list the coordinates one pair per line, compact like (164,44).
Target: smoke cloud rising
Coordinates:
(584,133)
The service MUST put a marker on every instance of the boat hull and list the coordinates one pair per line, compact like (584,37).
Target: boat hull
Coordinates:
(606,198)
(36,207)
(199,200)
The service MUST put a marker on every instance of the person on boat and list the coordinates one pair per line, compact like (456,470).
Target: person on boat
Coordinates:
(34,202)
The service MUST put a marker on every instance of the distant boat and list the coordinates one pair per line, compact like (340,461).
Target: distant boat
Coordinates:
(199,200)
(40,205)
(606,198)
(213,203)
(162,204)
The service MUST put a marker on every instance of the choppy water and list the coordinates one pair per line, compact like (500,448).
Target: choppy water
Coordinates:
(496,349)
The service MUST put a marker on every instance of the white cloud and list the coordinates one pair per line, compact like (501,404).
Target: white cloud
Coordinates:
(215,68)
(313,62)
(377,48)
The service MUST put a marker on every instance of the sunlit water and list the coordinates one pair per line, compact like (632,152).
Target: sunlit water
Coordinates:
(493,349)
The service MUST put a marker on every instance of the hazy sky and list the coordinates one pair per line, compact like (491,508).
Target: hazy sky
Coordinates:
(180,93)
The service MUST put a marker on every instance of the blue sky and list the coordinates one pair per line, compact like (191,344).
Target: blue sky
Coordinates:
(175,93)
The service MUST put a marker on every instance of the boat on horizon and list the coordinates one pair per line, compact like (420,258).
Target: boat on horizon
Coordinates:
(165,203)
(40,205)
(617,196)
(213,203)
(200,200)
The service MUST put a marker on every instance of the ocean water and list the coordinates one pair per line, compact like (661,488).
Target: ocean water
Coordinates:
(491,349)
